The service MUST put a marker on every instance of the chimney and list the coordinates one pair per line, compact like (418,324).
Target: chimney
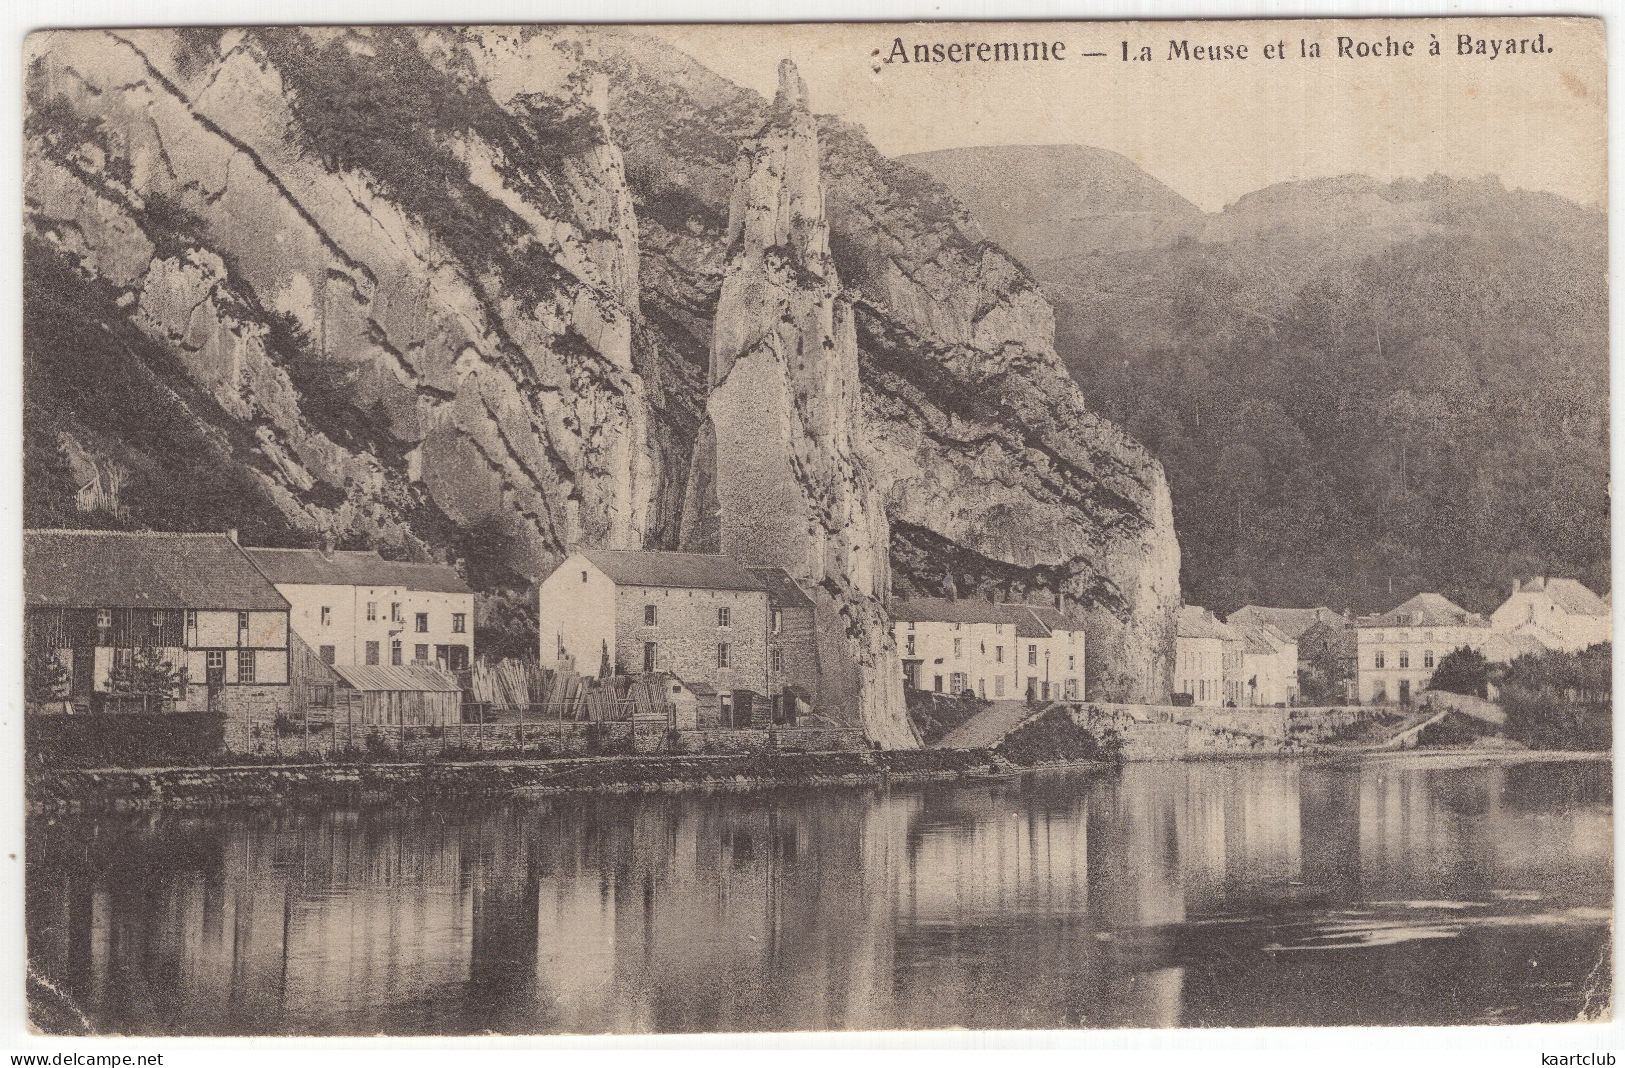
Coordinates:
(1517,584)
(1060,600)
(328,545)
(231,532)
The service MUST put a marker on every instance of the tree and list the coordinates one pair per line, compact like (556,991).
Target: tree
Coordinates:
(44,677)
(1464,671)
(146,676)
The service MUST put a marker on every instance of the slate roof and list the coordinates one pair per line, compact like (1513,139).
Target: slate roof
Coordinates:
(1425,610)
(686,571)
(144,569)
(948,610)
(1027,621)
(1197,622)
(782,590)
(1292,622)
(1569,595)
(1055,618)
(346,567)
(406,677)
(1256,638)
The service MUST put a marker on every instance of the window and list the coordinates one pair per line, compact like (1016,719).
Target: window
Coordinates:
(327,616)
(777,620)
(372,610)
(1071,662)
(724,617)
(1405,659)
(421,654)
(957,652)
(422,623)
(329,654)
(649,657)
(908,644)
(998,686)
(998,654)
(778,659)
(459,623)
(936,683)
(395,612)
(722,654)
(651,615)
(157,619)
(911,625)
(583,576)
(242,621)
(981,688)
(395,652)
(1380,660)
(372,654)
(104,617)
(321,695)
(1427,658)
(245,665)
(958,682)
(217,659)
(1032,654)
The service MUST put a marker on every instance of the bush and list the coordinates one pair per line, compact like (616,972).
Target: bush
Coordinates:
(1056,736)
(1464,671)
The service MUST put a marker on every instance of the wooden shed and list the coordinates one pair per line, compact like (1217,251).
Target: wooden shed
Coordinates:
(413,695)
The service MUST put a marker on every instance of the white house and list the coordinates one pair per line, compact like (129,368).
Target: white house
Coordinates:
(999,651)
(1203,649)
(1269,663)
(1560,613)
(358,608)
(1396,651)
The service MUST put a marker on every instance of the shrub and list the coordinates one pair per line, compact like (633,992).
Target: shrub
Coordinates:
(1054,736)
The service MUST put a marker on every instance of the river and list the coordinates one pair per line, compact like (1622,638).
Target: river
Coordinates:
(1407,889)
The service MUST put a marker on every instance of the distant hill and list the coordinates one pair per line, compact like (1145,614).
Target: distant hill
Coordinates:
(1068,199)
(1360,389)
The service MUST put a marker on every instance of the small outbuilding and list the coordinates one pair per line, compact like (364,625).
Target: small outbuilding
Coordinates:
(411,695)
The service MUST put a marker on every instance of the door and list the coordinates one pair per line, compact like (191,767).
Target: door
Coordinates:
(215,676)
(1404,691)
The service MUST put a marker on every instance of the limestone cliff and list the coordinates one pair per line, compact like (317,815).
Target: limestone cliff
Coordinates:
(452,292)
(406,259)
(997,476)
(775,477)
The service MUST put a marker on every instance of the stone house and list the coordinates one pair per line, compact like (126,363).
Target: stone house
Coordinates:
(96,599)
(792,644)
(1396,651)
(1052,647)
(702,617)
(1207,658)
(358,608)
(1559,613)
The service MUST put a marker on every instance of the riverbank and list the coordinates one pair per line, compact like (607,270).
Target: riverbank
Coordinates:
(277,785)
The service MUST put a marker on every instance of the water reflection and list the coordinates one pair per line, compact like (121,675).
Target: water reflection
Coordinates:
(1383,891)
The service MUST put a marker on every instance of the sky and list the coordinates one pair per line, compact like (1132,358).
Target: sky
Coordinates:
(1215,130)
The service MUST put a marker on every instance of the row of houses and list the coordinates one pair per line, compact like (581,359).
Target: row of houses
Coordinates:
(1253,657)
(997,651)
(251,632)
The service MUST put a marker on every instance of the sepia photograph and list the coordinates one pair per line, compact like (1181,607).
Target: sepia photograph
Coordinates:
(815,527)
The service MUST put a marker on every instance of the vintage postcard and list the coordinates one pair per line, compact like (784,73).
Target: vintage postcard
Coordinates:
(819,527)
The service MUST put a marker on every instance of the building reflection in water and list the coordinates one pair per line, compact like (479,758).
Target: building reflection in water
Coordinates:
(1154,896)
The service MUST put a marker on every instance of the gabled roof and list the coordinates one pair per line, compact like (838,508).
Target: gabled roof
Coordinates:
(418,677)
(687,571)
(948,610)
(782,590)
(1054,618)
(348,567)
(1197,622)
(145,569)
(1259,639)
(1425,610)
(1027,621)
(1568,594)
(1292,622)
